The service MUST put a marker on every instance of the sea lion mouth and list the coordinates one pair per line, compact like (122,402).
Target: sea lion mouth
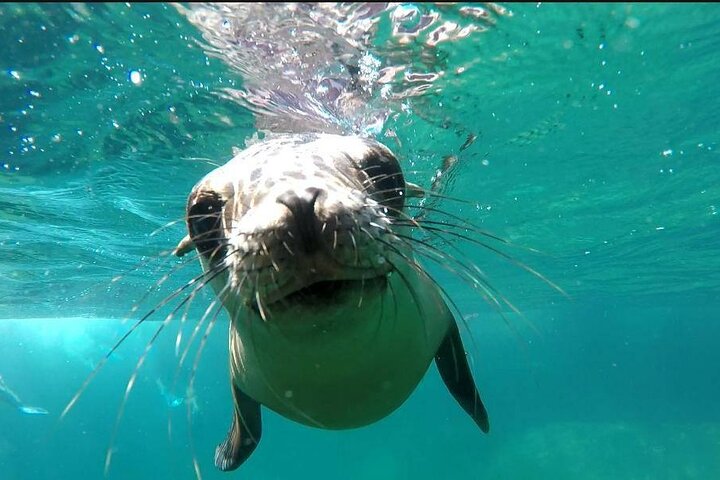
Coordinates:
(326,293)
(328,290)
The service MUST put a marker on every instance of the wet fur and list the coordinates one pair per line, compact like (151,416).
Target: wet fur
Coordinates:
(299,211)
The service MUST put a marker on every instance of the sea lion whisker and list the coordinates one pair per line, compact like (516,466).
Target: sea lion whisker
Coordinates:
(191,384)
(420,191)
(235,338)
(119,342)
(255,296)
(196,330)
(201,347)
(403,173)
(467,267)
(393,295)
(282,242)
(440,196)
(143,263)
(379,323)
(486,290)
(456,309)
(178,339)
(362,291)
(464,223)
(141,361)
(273,278)
(420,270)
(261,309)
(407,283)
(180,264)
(135,306)
(167,225)
(218,269)
(464,272)
(472,228)
(273,262)
(176,376)
(263,249)
(287,247)
(206,160)
(415,223)
(372,179)
(245,276)
(504,255)
(477,279)
(355,248)
(153,288)
(497,307)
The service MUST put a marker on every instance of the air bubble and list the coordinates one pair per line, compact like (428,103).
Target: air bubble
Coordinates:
(135,77)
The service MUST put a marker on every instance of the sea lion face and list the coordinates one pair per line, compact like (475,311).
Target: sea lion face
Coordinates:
(298,220)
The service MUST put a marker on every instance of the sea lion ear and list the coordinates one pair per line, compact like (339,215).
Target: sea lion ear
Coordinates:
(185,245)
(455,372)
(414,190)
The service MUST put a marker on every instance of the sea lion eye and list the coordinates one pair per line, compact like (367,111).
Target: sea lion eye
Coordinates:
(204,219)
(386,176)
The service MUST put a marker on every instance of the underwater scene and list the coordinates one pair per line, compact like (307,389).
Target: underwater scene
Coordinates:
(559,204)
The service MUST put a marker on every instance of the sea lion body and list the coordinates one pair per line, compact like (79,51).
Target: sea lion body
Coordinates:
(306,242)
(344,365)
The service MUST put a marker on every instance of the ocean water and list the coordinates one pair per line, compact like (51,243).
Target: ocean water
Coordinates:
(585,135)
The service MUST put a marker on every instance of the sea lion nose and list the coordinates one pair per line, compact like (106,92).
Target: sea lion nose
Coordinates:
(302,208)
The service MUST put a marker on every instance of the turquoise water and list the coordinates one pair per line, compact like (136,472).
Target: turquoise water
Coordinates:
(596,146)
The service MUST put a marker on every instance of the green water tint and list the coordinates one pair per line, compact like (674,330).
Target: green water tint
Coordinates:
(596,143)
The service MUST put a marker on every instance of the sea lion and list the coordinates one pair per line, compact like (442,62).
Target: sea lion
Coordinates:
(333,323)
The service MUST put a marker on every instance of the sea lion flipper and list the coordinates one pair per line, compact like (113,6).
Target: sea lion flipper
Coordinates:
(244,434)
(455,372)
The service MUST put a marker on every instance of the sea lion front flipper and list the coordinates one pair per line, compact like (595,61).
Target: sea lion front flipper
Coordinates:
(244,434)
(454,369)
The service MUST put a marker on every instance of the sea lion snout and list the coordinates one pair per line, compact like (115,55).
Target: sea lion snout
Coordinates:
(302,209)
